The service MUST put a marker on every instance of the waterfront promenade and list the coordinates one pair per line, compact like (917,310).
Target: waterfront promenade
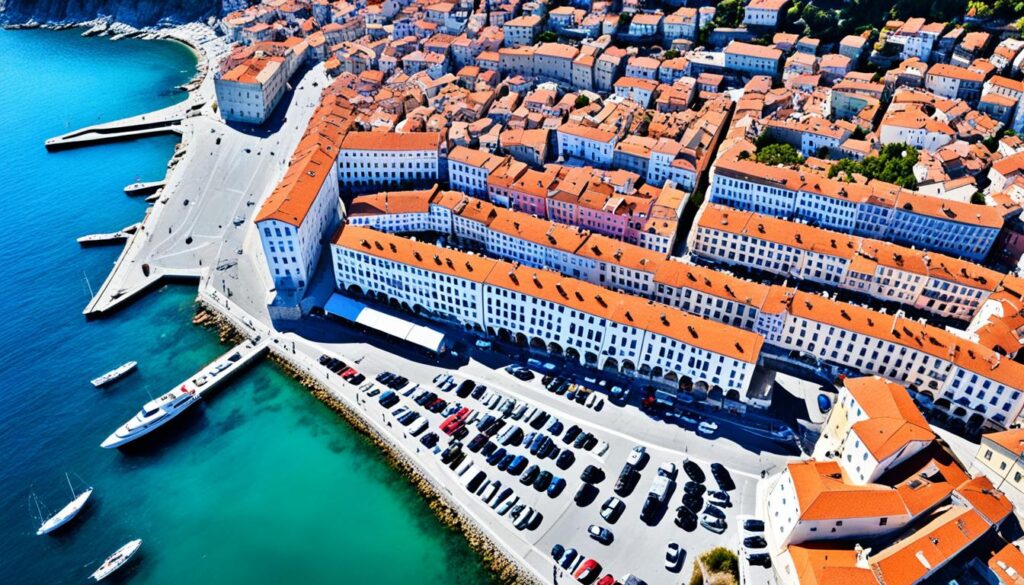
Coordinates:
(198,224)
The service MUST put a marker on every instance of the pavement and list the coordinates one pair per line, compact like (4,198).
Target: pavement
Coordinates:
(198,226)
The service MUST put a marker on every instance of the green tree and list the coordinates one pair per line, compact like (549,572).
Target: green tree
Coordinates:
(978,198)
(624,19)
(858,134)
(729,13)
(671,54)
(547,37)
(582,101)
(894,164)
(779,154)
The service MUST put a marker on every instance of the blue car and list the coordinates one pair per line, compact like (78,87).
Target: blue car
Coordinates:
(568,558)
(555,487)
(518,465)
(505,462)
(556,428)
(497,456)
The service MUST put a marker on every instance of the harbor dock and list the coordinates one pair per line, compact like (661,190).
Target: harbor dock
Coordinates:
(225,366)
(165,121)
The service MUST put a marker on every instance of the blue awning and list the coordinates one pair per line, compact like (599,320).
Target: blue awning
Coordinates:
(356,312)
(344,307)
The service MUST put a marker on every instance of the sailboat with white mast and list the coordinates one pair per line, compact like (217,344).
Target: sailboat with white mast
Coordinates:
(67,513)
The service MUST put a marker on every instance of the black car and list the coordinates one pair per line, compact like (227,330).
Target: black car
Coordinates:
(693,502)
(721,475)
(545,448)
(448,454)
(515,438)
(753,525)
(488,448)
(429,440)
(543,481)
(460,433)
(592,474)
(585,494)
(465,388)
(693,471)
(590,442)
(530,475)
(712,510)
(425,398)
(694,488)
(539,420)
(571,434)
(523,374)
(457,460)
(476,481)
(565,459)
(478,391)
(384,377)
(561,388)
(477,442)
(497,456)
(755,542)
(760,559)
(494,428)
(437,406)
(686,519)
(627,480)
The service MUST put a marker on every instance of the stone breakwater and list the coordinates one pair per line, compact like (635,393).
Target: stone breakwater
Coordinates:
(443,505)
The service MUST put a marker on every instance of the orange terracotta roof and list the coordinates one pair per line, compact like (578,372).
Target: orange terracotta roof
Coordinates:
(822,494)
(414,253)
(391,141)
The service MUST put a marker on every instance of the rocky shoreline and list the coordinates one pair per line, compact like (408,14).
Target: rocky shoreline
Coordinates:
(115,31)
(506,570)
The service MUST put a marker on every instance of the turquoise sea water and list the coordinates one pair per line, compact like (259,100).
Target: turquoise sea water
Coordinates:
(262,483)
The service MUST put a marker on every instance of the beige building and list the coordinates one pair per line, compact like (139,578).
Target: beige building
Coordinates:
(999,458)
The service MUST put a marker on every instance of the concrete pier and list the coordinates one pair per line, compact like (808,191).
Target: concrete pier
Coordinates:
(165,121)
(225,366)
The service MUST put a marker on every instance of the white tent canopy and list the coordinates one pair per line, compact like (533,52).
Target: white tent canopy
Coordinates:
(348,309)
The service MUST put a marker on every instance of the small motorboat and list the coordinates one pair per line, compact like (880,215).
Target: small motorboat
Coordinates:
(117,560)
(114,374)
(67,513)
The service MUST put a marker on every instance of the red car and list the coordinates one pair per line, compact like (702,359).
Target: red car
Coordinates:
(588,571)
(348,372)
(607,580)
(455,421)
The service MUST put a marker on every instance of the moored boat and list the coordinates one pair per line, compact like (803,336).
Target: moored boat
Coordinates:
(67,513)
(153,415)
(117,560)
(114,374)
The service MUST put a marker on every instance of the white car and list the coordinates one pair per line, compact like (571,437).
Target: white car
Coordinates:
(707,428)
(673,556)
(418,427)
(601,448)
(667,469)
(636,455)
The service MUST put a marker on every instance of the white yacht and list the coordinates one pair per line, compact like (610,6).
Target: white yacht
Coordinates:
(114,374)
(152,416)
(67,513)
(116,560)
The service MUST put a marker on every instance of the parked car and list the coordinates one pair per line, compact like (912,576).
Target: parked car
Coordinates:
(754,542)
(496,456)
(753,525)
(722,476)
(556,487)
(505,462)
(693,471)
(667,469)
(592,474)
(568,558)
(673,556)
(761,559)
(477,442)
(612,509)
(530,475)
(588,572)
(418,427)
(716,525)
(565,459)
(508,505)
(429,440)
(600,534)
(627,480)
(501,497)
(518,465)
(585,494)
(636,455)
(571,434)
(543,481)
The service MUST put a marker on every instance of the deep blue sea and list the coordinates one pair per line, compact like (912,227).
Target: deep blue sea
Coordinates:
(262,484)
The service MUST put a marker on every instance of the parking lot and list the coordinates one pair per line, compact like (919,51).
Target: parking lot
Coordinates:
(561,521)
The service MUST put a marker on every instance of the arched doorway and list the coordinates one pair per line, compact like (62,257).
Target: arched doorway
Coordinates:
(554,348)
(611,364)
(537,343)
